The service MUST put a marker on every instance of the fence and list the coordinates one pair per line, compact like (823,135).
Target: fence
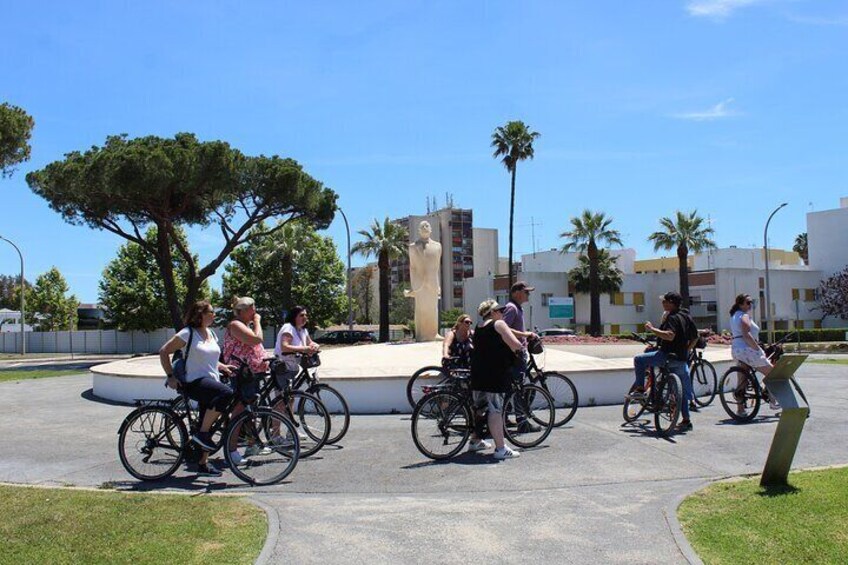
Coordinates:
(114,342)
(100,341)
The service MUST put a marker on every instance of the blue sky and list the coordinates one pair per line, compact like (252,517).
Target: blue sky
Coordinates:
(727,106)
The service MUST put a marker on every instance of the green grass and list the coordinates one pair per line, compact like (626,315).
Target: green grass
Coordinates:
(68,526)
(741,522)
(828,361)
(24,374)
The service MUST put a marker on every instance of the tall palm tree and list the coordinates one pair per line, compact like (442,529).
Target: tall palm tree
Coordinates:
(588,231)
(686,232)
(513,142)
(284,246)
(609,275)
(800,247)
(386,242)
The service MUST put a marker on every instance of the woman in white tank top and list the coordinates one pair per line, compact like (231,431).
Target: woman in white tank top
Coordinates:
(745,347)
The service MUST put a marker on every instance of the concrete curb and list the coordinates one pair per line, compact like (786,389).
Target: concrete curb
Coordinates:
(670,513)
(273,530)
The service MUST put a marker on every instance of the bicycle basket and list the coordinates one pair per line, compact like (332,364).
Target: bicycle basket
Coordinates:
(310,361)
(535,346)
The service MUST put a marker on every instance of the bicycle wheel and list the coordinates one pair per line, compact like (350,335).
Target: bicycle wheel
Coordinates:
(632,409)
(704,382)
(424,376)
(669,399)
(275,439)
(564,395)
(740,394)
(441,425)
(337,409)
(532,410)
(309,418)
(181,409)
(151,443)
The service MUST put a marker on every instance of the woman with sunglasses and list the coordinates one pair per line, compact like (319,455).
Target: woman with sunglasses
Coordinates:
(294,338)
(203,381)
(456,349)
(745,347)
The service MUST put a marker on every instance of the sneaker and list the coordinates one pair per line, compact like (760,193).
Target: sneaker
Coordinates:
(774,404)
(506,453)
(741,411)
(208,470)
(693,407)
(237,458)
(254,450)
(204,440)
(479,445)
(281,441)
(684,426)
(526,427)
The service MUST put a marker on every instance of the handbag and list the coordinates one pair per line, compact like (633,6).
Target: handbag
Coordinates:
(179,360)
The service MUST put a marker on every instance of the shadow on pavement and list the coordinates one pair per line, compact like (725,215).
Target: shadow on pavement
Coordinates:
(766,419)
(644,428)
(89,395)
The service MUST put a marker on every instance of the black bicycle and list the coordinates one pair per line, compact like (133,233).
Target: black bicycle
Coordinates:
(444,417)
(741,392)
(153,440)
(663,395)
(336,405)
(703,375)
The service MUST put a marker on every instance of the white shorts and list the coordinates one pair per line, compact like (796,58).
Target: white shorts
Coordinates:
(751,357)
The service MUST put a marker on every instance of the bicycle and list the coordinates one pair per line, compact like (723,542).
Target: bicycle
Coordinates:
(562,390)
(663,395)
(703,376)
(337,407)
(153,440)
(432,375)
(444,417)
(741,392)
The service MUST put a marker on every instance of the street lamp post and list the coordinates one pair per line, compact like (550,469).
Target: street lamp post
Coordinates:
(349,286)
(23,290)
(768,295)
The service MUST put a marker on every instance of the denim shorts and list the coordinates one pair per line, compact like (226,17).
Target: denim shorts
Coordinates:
(493,401)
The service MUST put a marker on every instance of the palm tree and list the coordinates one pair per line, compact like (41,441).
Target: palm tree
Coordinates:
(284,246)
(800,247)
(587,231)
(513,142)
(686,233)
(386,242)
(609,275)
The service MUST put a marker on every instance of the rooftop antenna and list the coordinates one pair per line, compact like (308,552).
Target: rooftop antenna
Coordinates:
(533,225)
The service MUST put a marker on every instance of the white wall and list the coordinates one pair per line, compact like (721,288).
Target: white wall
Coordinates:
(827,239)
(553,261)
(485,251)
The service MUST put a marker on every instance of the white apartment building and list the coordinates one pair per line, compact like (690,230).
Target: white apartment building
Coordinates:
(715,278)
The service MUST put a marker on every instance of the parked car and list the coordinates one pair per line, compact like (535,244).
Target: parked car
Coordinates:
(346,336)
(552,332)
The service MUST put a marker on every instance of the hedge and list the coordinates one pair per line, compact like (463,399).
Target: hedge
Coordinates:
(811,335)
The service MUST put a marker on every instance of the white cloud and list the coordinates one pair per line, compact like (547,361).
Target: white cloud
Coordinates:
(717,9)
(717,112)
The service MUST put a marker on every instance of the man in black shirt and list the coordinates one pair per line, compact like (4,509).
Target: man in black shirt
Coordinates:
(675,334)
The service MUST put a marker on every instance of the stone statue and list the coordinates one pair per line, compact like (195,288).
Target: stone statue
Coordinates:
(425,257)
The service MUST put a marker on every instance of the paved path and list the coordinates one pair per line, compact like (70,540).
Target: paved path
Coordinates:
(597,491)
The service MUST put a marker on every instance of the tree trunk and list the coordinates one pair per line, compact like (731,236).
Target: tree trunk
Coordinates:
(511,217)
(383,264)
(594,291)
(166,267)
(368,298)
(287,265)
(682,256)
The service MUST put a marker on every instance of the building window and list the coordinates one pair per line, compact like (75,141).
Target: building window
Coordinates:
(796,294)
(810,295)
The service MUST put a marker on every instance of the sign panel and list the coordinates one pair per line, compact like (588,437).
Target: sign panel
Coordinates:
(560,307)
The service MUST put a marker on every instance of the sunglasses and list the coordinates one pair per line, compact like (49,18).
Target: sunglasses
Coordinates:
(467,322)
(749,302)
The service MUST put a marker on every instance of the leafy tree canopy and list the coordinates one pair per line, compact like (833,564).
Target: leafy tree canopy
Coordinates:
(129,184)
(609,276)
(317,276)
(10,291)
(15,130)
(47,306)
(132,290)
(833,295)
(800,247)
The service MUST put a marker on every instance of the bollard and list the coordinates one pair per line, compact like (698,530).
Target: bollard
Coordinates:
(791,423)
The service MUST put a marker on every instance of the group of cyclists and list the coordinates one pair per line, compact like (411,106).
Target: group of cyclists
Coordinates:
(495,352)
(206,361)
